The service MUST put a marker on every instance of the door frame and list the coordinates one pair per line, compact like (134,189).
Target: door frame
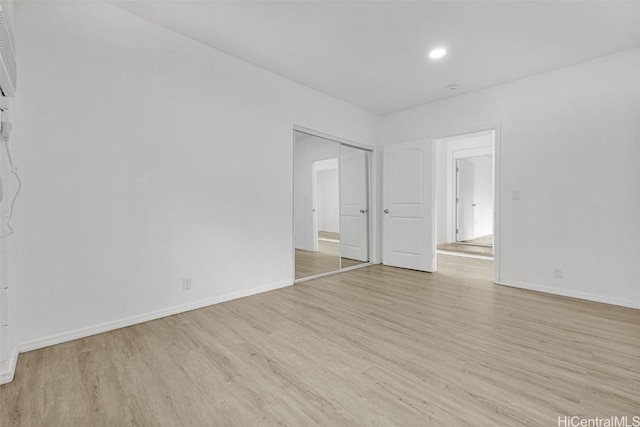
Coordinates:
(497,184)
(314,200)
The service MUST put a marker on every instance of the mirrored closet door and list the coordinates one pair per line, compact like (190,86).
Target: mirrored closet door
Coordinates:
(331,205)
(354,206)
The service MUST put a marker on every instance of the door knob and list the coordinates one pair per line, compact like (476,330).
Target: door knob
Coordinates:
(362,211)
(386,211)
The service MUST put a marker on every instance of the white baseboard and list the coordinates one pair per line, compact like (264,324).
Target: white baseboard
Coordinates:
(464,255)
(8,368)
(129,321)
(7,372)
(568,293)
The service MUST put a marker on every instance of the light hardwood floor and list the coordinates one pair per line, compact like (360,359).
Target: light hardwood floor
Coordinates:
(377,346)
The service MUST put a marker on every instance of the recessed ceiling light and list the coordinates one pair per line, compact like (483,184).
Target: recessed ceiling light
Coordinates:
(437,53)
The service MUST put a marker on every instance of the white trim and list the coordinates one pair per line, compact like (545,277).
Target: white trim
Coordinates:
(464,131)
(331,273)
(314,204)
(333,138)
(293,206)
(497,207)
(433,211)
(568,293)
(464,255)
(317,276)
(374,208)
(355,267)
(129,321)
(8,368)
(324,239)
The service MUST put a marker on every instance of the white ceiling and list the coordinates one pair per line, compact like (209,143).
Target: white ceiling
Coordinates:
(374,54)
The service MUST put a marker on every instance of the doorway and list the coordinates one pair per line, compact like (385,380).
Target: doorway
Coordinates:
(465,194)
(419,199)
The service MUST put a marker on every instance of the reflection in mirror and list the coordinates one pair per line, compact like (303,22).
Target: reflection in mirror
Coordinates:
(354,206)
(316,205)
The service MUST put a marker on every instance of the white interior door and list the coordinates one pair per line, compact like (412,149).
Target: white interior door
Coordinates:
(354,212)
(408,206)
(465,200)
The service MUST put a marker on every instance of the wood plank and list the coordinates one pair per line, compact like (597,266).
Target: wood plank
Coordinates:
(374,346)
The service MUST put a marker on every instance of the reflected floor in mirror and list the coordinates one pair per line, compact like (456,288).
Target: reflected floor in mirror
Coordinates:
(326,259)
(310,263)
(331,243)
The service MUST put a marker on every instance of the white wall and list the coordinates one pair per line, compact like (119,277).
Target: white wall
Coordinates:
(147,157)
(442,197)
(569,145)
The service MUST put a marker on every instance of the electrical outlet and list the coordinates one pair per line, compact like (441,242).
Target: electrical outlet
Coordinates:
(557,273)
(515,195)
(186,283)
